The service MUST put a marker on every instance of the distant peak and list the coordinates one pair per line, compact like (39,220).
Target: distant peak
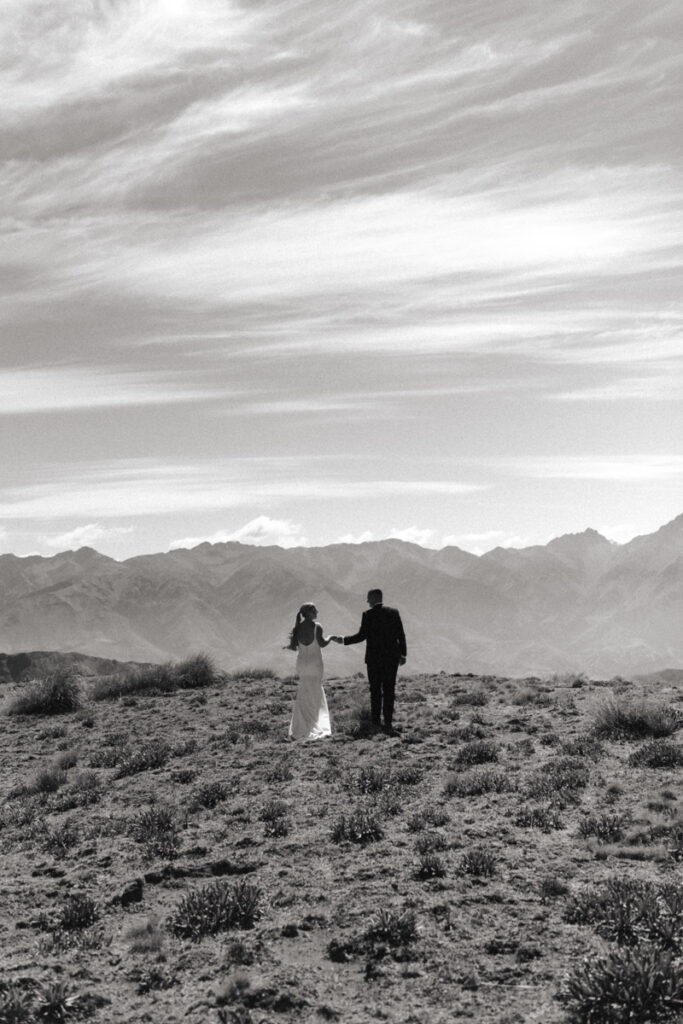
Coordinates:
(588,538)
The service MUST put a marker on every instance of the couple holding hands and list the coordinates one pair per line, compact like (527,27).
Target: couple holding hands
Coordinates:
(382,630)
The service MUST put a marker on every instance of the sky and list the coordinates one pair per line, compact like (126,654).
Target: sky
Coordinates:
(300,273)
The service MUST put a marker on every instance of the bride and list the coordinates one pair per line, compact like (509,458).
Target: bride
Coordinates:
(311,718)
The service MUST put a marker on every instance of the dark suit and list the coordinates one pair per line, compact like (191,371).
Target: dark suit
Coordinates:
(385,643)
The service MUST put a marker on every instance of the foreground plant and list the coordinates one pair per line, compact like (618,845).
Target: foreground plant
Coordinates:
(362,826)
(57,694)
(217,907)
(639,985)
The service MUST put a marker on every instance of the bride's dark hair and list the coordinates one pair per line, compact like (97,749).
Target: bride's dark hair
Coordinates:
(300,616)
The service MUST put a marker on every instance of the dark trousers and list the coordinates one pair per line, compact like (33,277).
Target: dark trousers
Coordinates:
(382,679)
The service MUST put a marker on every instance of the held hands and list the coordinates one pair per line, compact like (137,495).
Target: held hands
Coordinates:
(401,660)
(337,639)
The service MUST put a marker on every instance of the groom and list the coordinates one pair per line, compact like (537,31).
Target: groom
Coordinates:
(385,650)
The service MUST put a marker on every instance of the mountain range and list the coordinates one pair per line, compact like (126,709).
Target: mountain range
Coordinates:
(580,603)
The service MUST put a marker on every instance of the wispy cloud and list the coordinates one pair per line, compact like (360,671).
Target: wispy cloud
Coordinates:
(261,531)
(627,468)
(266,229)
(84,536)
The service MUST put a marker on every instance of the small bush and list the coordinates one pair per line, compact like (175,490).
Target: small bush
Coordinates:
(627,986)
(428,817)
(157,830)
(54,1003)
(272,810)
(629,911)
(430,866)
(154,755)
(217,907)
(429,842)
(583,746)
(155,679)
(479,862)
(362,826)
(551,886)
(476,783)
(545,818)
(80,911)
(209,795)
(64,837)
(368,779)
(251,675)
(607,828)
(48,780)
(196,672)
(477,752)
(392,928)
(55,695)
(559,781)
(147,937)
(618,721)
(657,754)
(15,1004)
(477,699)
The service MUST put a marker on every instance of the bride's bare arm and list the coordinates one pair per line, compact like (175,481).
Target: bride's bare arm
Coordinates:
(323,641)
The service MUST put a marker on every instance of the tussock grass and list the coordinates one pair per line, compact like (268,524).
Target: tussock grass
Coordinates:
(362,826)
(621,720)
(217,907)
(57,694)
(477,752)
(657,754)
(196,672)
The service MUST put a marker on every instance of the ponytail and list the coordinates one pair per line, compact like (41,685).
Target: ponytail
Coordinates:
(293,641)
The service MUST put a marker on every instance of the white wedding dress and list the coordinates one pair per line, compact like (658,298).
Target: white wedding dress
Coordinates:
(311,718)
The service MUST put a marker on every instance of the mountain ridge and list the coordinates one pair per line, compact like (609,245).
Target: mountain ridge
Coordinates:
(580,603)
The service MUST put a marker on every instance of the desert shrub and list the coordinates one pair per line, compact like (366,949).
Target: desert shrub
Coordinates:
(657,754)
(617,720)
(545,818)
(86,789)
(428,842)
(155,679)
(272,810)
(79,911)
(57,694)
(479,862)
(467,733)
(583,746)
(477,752)
(368,779)
(58,841)
(67,759)
(640,985)
(54,1003)
(209,795)
(147,937)
(276,828)
(629,911)
(362,826)
(281,771)
(552,886)
(47,780)
(430,866)
(476,783)
(196,672)
(428,817)
(409,775)
(392,928)
(358,724)
(607,828)
(216,907)
(106,757)
(15,1004)
(558,781)
(157,830)
(153,755)
(252,674)
(476,699)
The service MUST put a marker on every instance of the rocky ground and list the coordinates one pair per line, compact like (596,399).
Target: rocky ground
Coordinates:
(419,878)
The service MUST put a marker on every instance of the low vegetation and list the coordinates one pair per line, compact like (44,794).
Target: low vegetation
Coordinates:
(169,854)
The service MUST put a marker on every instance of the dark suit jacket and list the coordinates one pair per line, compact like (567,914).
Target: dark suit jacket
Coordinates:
(382,629)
